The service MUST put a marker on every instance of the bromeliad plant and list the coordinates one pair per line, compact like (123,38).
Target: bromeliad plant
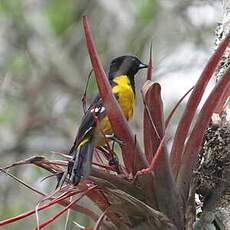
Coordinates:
(153,189)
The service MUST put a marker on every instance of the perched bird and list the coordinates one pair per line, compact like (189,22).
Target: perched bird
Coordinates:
(121,78)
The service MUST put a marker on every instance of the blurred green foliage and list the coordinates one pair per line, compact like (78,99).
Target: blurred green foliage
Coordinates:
(61,15)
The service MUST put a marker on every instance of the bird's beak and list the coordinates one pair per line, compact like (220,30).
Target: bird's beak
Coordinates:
(142,66)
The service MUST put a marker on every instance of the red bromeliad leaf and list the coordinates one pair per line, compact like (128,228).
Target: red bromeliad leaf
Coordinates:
(152,165)
(220,106)
(153,118)
(133,158)
(150,65)
(194,142)
(106,179)
(193,102)
(86,211)
(101,201)
(130,151)
(137,214)
(167,197)
(175,107)
(153,134)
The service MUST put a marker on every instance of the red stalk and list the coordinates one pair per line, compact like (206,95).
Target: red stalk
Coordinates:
(150,65)
(157,155)
(152,165)
(193,102)
(60,201)
(220,106)
(133,157)
(29,213)
(153,118)
(53,218)
(175,108)
(194,142)
(130,149)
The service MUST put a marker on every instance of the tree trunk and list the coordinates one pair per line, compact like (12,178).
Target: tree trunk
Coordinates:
(213,173)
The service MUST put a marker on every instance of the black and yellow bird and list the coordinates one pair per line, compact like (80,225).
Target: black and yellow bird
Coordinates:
(95,123)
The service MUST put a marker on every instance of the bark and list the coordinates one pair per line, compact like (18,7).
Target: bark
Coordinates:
(213,173)
(224,205)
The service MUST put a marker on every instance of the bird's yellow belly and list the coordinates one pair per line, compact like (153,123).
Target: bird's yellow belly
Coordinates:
(126,98)
(126,101)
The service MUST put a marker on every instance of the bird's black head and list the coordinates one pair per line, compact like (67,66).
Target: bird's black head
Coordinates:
(125,65)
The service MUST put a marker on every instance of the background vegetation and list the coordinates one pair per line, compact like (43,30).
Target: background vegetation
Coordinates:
(44,66)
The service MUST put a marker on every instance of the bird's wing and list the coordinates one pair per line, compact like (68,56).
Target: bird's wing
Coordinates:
(88,123)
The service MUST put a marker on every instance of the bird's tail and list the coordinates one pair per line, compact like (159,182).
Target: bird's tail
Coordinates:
(80,166)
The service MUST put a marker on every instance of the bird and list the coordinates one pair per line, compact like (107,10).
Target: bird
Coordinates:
(91,132)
